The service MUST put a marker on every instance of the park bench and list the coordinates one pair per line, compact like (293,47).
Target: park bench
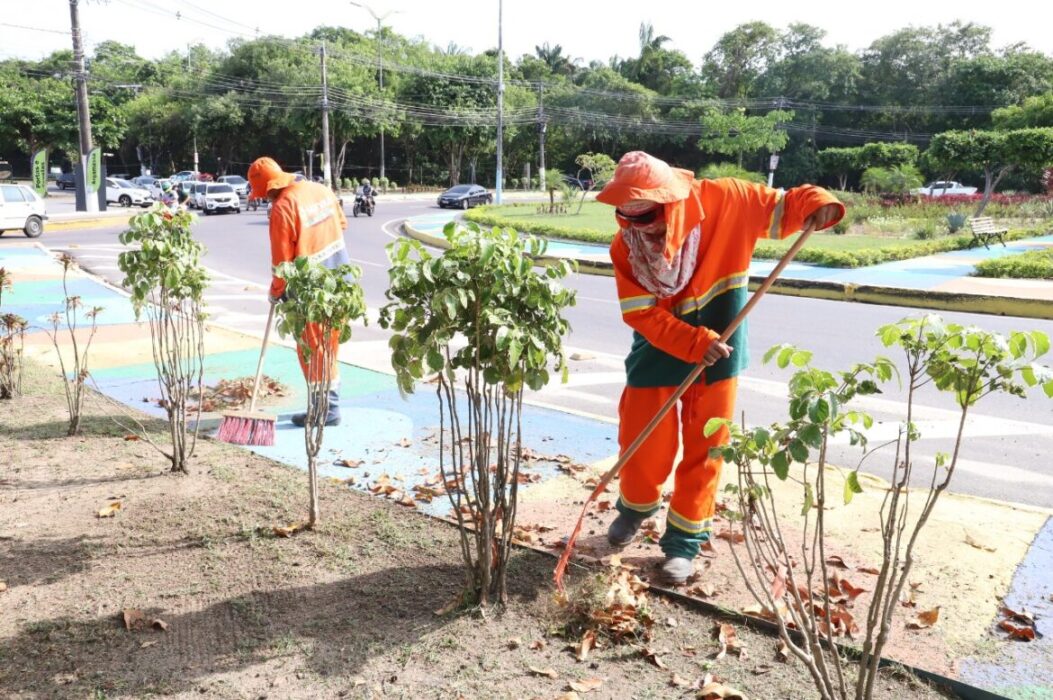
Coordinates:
(984,231)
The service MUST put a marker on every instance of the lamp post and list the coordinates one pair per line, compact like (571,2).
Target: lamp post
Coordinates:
(380,65)
(500,103)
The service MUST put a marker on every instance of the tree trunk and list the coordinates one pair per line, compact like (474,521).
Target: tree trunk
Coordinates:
(991,180)
(312,478)
(843,180)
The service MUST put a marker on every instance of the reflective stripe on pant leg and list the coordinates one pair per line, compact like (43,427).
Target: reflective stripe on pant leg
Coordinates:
(690,516)
(640,487)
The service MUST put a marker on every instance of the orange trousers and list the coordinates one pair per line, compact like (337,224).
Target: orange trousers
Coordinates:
(690,516)
(313,369)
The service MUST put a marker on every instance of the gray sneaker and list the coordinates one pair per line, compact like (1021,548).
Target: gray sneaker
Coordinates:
(676,570)
(623,530)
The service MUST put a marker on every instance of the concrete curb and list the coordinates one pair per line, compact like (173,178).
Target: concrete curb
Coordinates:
(839,291)
(86,223)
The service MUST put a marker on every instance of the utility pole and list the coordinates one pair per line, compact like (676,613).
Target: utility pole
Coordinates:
(380,67)
(500,102)
(542,127)
(91,204)
(326,166)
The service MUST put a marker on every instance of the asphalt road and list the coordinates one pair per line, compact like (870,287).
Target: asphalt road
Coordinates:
(1009,441)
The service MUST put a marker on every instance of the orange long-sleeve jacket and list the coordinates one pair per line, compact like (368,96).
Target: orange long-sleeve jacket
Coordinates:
(672,334)
(306,220)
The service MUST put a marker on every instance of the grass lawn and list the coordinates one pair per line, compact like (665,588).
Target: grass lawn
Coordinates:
(594,216)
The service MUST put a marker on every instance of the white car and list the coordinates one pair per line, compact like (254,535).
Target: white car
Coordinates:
(240,184)
(195,192)
(944,187)
(126,194)
(21,208)
(219,196)
(155,190)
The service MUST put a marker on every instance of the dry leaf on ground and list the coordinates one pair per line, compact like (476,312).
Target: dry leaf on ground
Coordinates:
(1026,634)
(514,643)
(979,543)
(569,695)
(586,686)
(925,619)
(131,438)
(3,586)
(537,645)
(873,571)
(782,652)
(678,681)
(836,562)
(109,511)
(652,656)
(1024,616)
(719,691)
(350,463)
(136,620)
(289,530)
(728,641)
(732,536)
(547,672)
(707,589)
(588,641)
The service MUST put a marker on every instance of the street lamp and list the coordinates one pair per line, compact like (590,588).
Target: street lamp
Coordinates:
(380,65)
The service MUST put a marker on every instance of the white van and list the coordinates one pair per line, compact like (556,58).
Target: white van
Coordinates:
(21,208)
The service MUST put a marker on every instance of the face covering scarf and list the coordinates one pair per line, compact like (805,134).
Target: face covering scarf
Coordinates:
(647,252)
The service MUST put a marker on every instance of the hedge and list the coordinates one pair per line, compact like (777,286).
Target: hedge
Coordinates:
(876,256)
(1034,264)
(766,250)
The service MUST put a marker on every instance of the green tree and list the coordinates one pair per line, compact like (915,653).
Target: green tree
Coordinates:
(600,168)
(840,162)
(888,155)
(1035,111)
(739,58)
(715,171)
(734,133)
(485,290)
(996,153)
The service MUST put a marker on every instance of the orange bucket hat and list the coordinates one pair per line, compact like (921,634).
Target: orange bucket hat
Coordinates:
(266,175)
(642,176)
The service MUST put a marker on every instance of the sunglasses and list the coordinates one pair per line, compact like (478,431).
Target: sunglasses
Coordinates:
(646,217)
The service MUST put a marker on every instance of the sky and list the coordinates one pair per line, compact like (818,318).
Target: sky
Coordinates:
(586,29)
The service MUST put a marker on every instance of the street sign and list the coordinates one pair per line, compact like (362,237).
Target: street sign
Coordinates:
(40,172)
(94,168)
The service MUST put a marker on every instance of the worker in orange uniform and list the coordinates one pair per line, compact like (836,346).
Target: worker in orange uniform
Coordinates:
(681,262)
(306,219)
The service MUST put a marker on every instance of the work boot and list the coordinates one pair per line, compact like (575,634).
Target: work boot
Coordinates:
(676,570)
(332,417)
(623,529)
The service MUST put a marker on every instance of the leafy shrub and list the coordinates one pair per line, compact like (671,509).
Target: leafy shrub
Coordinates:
(926,231)
(1034,264)
(956,222)
(714,171)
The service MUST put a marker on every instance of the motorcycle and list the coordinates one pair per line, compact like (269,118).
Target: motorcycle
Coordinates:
(363,204)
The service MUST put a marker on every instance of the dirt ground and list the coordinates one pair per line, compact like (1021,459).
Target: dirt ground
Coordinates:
(347,610)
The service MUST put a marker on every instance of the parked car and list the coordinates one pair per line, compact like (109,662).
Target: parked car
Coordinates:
(240,184)
(218,197)
(21,208)
(577,183)
(196,191)
(126,194)
(184,175)
(65,181)
(144,181)
(155,187)
(464,196)
(942,187)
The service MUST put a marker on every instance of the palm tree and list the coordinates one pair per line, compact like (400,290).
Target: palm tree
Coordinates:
(558,63)
(650,43)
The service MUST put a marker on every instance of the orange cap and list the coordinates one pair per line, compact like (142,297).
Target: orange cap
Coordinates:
(642,176)
(266,175)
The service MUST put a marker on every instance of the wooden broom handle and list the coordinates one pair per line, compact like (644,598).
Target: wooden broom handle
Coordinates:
(680,391)
(263,353)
